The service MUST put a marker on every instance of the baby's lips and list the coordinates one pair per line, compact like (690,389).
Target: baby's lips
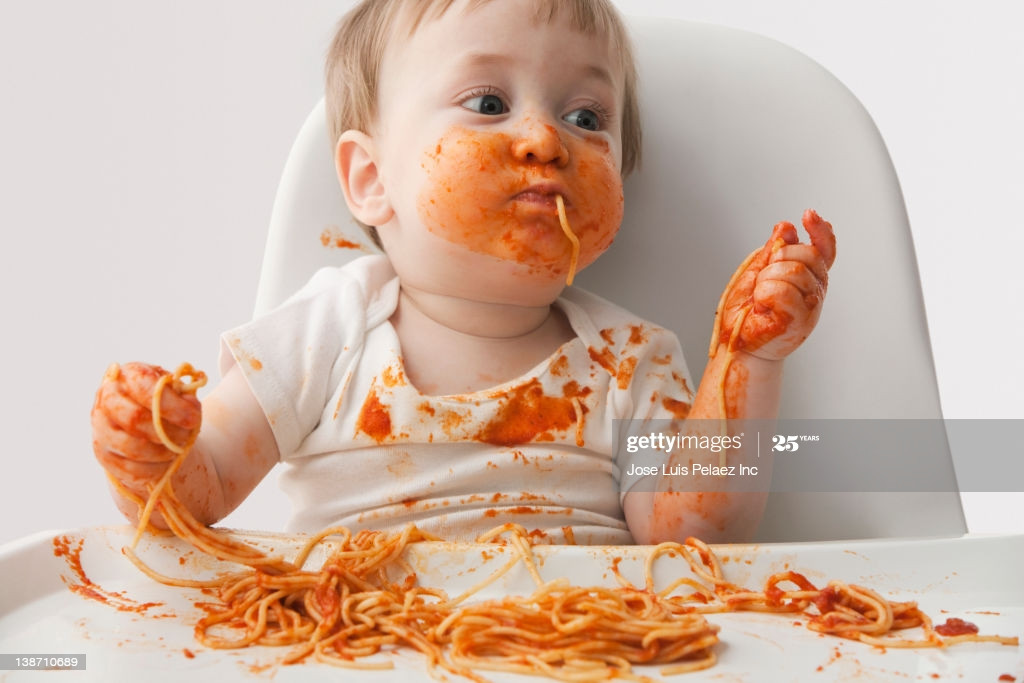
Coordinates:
(544,190)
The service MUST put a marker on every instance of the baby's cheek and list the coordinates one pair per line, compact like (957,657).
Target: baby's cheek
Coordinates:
(600,204)
(464,190)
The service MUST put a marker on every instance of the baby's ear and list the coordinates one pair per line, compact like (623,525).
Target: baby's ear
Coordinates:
(356,162)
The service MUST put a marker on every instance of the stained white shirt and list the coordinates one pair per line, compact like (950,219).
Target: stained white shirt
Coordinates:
(363,448)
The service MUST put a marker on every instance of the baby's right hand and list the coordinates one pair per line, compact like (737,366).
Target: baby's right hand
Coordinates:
(123,436)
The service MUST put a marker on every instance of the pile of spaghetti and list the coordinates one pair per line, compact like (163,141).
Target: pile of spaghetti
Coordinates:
(365,599)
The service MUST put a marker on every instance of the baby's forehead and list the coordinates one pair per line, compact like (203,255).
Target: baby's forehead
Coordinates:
(415,13)
(586,17)
(607,41)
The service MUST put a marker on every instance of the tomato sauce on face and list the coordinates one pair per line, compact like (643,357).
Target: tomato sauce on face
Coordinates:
(477,195)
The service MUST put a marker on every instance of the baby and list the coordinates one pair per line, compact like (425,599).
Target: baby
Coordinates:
(456,382)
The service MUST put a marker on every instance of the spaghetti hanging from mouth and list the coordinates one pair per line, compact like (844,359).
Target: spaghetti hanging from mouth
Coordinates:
(567,229)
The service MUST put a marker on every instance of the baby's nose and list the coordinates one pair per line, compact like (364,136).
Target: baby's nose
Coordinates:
(539,142)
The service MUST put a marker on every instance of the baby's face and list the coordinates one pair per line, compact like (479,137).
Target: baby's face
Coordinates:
(486,115)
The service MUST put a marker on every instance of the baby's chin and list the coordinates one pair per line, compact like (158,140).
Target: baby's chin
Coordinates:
(548,261)
(515,284)
(534,276)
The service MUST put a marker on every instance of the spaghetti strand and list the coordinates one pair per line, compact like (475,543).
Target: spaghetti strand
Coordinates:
(571,236)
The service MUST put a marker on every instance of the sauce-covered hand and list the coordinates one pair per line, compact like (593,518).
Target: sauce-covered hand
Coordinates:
(125,439)
(773,302)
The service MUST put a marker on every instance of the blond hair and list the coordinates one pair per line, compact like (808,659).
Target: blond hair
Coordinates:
(357,52)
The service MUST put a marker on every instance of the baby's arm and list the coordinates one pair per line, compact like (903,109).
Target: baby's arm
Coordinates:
(766,312)
(234,450)
(661,513)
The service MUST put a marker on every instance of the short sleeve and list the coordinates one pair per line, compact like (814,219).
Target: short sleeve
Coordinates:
(660,389)
(647,375)
(293,355)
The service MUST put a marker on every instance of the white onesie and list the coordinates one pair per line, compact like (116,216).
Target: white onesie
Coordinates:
(365,449)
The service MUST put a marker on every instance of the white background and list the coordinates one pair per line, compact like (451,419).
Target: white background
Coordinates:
(141,143)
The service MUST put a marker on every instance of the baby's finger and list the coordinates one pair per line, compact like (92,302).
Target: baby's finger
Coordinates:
(822,236)
(785,301)
(772,315)
(140,380)
(782,234)
(129,416)
(108,436)
(123,411)
(795,275)
(133,474)
(805,254)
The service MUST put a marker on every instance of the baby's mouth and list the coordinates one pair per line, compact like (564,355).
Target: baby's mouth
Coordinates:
(536,198)
(541,196)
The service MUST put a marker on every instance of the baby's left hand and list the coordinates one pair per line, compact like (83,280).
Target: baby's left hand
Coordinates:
(775,301)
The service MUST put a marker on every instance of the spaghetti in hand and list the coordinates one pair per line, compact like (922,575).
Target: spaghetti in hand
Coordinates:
(132,446)
(773,300)
(159,495)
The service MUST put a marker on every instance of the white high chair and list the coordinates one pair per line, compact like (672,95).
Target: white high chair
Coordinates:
(740,132)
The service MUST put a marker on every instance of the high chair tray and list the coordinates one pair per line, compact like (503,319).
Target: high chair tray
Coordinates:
(131,628)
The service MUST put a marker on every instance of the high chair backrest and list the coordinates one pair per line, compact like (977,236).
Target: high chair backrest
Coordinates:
(740,132)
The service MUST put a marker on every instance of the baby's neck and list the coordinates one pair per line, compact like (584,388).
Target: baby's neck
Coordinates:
(474,318)
(458,346)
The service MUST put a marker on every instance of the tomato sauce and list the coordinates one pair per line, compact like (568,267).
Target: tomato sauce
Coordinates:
(956,627)
(624,373)
(605,358)
(683,384)
(827,599)
(393,377)
(679,409)
(332,238)
(560,366)
(374,418)
(528,414)
(473,197)
(71,551)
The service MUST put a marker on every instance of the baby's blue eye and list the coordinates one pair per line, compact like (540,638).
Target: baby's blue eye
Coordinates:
(489,105)
(587,119)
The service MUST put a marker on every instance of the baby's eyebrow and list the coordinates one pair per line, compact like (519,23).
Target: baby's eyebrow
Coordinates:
(600,73)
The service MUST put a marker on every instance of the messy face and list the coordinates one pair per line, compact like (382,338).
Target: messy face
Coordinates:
(486,115)
(483,195)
